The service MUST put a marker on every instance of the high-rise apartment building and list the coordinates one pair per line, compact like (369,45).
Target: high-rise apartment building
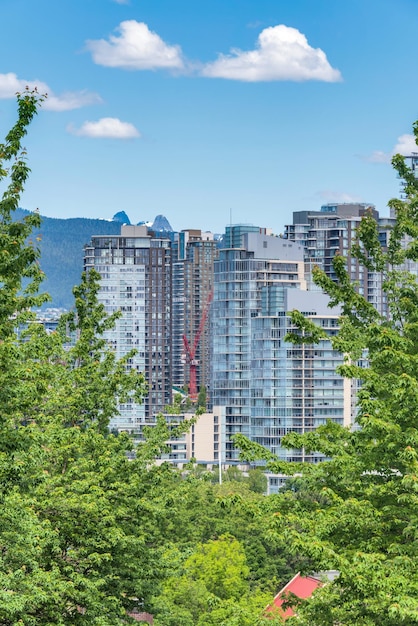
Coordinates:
(295,387)
(264,386)
(194,255)
(136,278)
(258,383)
(331,231)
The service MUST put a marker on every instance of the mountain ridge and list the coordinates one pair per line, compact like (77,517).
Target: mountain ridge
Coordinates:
(61,243)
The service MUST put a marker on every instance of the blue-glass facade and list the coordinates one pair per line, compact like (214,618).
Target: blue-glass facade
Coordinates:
(265,385)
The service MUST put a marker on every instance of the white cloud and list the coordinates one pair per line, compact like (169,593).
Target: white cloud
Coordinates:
(107,127)
(405,145)
(136,48)
(70,100)
(282,53)
(379,157)
(328,195)
(10,84)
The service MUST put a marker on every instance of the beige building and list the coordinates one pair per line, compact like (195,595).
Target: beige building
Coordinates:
(199,443)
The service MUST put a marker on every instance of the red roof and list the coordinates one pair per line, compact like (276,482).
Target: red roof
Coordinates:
(300,586)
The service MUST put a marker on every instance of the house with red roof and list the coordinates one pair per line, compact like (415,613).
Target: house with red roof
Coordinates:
(300,586)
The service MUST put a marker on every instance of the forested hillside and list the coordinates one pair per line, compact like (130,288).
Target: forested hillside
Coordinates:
(62,242)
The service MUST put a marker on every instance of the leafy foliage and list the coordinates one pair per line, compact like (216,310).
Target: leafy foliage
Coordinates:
(213,589)
(90,531)
(358,512)
(77,520)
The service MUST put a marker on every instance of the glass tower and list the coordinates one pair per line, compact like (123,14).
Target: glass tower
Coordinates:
(264,386)
(136,279)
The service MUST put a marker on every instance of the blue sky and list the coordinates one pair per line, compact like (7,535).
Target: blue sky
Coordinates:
(211,111)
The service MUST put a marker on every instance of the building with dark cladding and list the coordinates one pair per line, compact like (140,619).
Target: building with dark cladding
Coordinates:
(194,255)
(136,278)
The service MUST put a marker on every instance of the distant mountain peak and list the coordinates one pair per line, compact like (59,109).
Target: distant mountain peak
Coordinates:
(161,224)
(121,217)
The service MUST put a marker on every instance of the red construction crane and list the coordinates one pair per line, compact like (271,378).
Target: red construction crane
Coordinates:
(191,350)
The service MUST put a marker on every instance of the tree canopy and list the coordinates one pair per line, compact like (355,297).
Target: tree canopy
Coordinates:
(358,511)
(91,529)
(77,517)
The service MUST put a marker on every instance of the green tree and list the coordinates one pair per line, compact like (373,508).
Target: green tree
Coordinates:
(80,523)
(221,566)
(202,397)
(91,361)
(358,512)
(257,480)
(212,589)
(201,512)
